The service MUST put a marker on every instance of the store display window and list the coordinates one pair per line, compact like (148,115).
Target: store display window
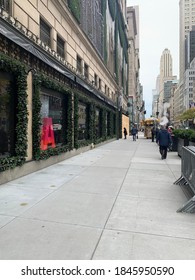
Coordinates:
(52,119)
(7,115)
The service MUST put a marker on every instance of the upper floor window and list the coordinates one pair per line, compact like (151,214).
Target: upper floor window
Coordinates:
(60,47)
(5,4)
(105,89)
(86,71)
(45,31)
(79,64)
(100,84)
(95,79)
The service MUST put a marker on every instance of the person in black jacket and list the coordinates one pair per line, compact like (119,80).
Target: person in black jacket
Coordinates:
(125,133)
(164,140)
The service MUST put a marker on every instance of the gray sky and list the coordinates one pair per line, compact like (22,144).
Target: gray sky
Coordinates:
(158,29)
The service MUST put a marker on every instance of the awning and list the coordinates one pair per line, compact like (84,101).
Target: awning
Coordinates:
(15,36)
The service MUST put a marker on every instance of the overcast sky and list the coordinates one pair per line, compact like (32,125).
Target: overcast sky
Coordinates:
(158,29)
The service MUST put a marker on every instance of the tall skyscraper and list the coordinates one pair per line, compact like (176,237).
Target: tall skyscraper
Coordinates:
(166,70)
(187,21)
(166,64)
(190,47)
(166,74)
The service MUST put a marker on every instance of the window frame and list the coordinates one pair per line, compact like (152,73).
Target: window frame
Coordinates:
(60,46)
(45,32)
(79,64)
(6,5)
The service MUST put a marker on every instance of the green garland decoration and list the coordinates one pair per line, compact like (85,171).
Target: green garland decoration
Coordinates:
(19,71)
(91,121)
(110,124)
(76,121)
(36,123)
(103,123)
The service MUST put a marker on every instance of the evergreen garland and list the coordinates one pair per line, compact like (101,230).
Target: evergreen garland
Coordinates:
(36,123)
(76,121)
(19,72)
(103,123)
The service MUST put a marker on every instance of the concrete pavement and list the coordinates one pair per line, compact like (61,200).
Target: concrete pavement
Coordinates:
(117,201)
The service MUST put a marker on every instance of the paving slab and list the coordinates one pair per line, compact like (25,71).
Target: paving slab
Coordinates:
(154,216)
(97,179)
(15,200)
(73,208)
(36,239)
(117,245)
(152,189)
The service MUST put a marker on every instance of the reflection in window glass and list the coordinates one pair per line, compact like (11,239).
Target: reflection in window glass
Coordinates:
(51,114)
(7,107)
(82,121)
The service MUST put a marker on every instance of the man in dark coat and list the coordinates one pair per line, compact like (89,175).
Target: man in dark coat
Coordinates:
(164,140)
(134,132)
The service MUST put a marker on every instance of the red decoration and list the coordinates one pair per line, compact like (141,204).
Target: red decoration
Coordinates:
(47,134)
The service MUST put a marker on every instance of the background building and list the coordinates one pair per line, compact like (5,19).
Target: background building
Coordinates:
(186,48)
(135,90)
(164,83)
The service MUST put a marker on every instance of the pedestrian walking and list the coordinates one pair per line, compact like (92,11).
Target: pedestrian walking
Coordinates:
(163,140)
(134,132)
(157,131)
(170,131)
(125,133)
(153,132)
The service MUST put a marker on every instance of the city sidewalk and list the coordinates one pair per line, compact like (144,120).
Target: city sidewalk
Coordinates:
(117,201)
